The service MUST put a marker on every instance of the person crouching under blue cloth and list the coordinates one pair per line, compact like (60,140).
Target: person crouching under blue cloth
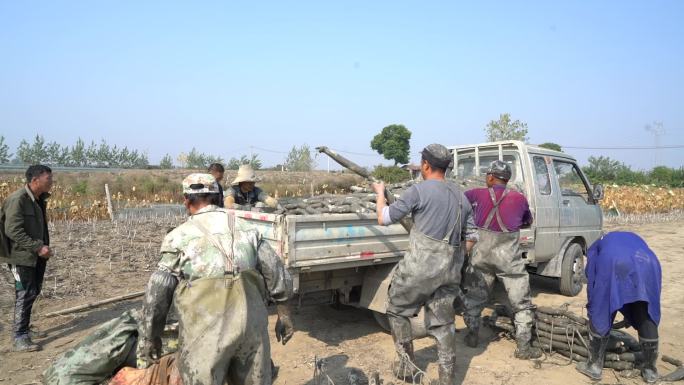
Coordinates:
(623,274)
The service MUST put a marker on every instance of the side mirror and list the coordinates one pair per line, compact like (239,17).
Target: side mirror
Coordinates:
(598,192)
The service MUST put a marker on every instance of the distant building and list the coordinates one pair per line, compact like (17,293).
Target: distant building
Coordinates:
(413,170)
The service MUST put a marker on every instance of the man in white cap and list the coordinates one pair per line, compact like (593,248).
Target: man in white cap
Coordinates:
(219,275)
(243,191)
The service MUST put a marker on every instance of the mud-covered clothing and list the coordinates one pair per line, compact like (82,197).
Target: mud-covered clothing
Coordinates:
(249,198)
(514,208)
(496,256)
(220,275)
(433,209)
(430,272)
(24,226)
(621,269)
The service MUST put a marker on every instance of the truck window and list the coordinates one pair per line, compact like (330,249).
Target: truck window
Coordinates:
(570,181)
(541,176)
(466,165)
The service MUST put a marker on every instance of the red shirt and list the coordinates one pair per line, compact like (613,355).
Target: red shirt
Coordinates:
(514,209)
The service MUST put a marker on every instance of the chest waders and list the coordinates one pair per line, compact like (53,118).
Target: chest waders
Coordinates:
(496,256)
(223,323)
(429,275)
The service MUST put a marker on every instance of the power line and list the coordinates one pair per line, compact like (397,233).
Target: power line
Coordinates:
(267,150)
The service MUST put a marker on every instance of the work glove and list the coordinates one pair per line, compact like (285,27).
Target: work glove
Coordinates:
(151,350)
(284,329)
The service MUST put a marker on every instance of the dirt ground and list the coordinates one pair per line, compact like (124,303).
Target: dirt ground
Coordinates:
(90,266)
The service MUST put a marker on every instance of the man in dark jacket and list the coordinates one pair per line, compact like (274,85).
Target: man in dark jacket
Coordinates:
(25,247)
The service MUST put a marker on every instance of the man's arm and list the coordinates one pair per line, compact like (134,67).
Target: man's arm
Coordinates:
(279,285)
(527,214)
(229,197)
(267,199)
(403,206)
(158,298)
(469,230)
(14,228)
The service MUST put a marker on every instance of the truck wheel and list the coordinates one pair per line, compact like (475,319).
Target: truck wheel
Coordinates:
(382,320)
(572,271)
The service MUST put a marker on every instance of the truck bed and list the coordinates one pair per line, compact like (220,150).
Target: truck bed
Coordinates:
(329,241)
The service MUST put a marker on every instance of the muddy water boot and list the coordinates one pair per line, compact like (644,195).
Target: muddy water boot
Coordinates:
(446,354)
(649,347)
(471,338)
(24,344)
(523,336)
(593,367)
(403,367)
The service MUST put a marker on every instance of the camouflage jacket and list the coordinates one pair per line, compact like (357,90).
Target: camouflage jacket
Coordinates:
(189,254)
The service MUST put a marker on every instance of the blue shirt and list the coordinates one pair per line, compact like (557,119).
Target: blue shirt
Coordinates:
(621,269)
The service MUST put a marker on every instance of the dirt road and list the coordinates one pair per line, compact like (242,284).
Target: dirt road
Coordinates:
(346,338)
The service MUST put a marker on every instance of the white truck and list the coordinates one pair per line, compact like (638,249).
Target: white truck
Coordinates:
(348,258)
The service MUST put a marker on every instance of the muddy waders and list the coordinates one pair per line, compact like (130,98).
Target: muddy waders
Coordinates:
(428,275)
(497,256)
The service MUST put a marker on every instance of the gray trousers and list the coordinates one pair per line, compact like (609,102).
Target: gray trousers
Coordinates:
(496,256)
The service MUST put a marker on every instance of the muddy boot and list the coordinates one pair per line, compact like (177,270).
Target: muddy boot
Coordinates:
(24,344)
(403,367)
(593,367)
(523,336)
(649,347)
(34,332)
(446,354)
(471,338)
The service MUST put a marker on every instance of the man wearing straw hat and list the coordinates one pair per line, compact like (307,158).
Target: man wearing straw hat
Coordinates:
(243,191)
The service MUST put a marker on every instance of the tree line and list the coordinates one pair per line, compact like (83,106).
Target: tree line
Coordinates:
(77,155)
(300,158)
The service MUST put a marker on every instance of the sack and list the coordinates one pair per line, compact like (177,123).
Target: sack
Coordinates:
(98,356)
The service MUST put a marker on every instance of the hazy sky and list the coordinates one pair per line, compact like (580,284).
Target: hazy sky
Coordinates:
(165,76)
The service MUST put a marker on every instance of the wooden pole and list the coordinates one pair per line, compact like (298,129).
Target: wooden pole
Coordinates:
(110,210)
(92,305)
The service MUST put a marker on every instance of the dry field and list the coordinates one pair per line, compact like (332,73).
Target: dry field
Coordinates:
(101,259)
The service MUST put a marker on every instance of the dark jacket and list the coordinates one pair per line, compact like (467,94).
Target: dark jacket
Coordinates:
(23,228)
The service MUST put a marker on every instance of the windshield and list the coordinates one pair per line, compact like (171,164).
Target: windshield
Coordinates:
(469,177)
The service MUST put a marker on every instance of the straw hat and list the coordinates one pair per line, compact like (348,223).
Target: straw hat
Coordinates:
(245,174)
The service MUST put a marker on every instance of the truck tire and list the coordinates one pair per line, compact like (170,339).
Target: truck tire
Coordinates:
(418,329)
(572,271)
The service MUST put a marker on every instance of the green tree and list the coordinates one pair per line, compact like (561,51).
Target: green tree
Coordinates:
(4,151)
(605,169)
(505,129)
(551,146)
(300,159)
(166,162)
(393,143)
(77,156)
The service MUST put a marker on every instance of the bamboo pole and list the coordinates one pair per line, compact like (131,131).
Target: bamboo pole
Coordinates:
(110,210)
(92,305)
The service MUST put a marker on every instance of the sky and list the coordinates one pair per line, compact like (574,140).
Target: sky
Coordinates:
(230,78)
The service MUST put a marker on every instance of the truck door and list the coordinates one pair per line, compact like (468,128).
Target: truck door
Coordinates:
(579,213)
(546,206)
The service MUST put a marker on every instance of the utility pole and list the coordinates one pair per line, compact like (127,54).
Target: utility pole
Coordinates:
(657,130)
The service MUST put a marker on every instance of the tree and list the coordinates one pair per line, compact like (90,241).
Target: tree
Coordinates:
(4,151)
(552,146)
(300,159)
(235,163)
(77,156)
(505,129)
(604,169)
(166,162)
(393,143)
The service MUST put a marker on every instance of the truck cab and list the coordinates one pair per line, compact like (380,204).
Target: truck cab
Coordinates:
(564,204)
